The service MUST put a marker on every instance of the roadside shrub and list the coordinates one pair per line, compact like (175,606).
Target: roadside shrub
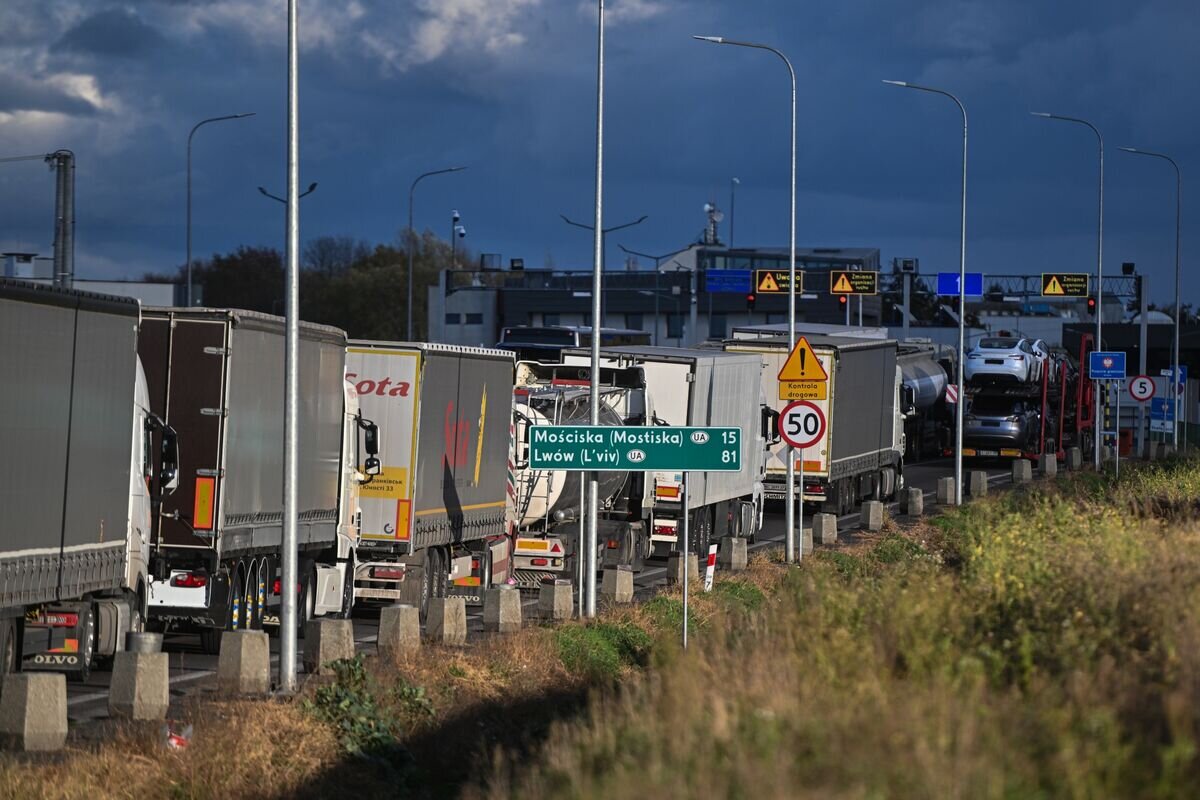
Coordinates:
(603,650)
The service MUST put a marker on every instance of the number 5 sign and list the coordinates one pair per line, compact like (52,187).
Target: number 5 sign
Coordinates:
(801,424)
(1141,388)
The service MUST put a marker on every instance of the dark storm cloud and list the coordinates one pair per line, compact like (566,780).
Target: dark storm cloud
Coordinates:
(112,32)
(19,93)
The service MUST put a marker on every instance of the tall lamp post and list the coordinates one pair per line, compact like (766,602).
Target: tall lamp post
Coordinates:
(1099,258)
(195,128)
(790,510)
(1178,237)
(962,290)
(411,237)
(733,184)
(657,260)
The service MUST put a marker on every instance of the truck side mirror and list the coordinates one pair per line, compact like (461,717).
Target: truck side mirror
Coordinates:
(372,466)
(370,437)
(770,425)
(522,424)
(168,476)
(908,401)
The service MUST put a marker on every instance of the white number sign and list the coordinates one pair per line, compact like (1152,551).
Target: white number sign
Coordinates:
(802,424)
(1141,388)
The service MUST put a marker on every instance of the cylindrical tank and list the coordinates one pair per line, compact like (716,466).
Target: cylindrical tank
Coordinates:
(542,493)
(924,376)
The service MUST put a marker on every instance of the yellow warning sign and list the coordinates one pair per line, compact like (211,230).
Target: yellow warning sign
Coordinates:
(1053,287)
(803,390)
(776,281)
(843,284)
(854,282)
(1065,284)
(802,364)
(768,284)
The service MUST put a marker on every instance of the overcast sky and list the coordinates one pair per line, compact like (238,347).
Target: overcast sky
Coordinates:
(392,88)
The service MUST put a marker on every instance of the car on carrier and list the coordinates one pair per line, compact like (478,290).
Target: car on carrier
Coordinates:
(1010,360)
(998,421)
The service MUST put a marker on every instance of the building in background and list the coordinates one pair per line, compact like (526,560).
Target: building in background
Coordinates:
(36,269)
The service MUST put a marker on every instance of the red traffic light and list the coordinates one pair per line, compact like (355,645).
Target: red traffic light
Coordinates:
(842,299)
(1091,305)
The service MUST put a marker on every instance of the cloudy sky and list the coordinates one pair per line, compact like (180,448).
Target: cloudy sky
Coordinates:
(392,88)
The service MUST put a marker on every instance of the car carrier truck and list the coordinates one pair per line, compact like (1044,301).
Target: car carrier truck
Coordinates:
(435,520)
(217,376)
(699,388)
(80,474)
(861,454)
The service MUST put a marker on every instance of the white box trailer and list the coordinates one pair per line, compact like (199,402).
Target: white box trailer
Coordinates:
(861,454)
(77,464)
(435,521)
(700,388)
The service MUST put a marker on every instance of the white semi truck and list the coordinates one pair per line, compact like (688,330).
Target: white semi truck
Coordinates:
(435,521)
(84,460)
(216,376)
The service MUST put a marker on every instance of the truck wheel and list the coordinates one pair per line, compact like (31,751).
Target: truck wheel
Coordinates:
(8,647)
(485,568)
(306,606)
(87,644)
(701,532)
(442,574)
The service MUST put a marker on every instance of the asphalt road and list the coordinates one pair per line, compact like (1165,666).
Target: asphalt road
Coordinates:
(193,671)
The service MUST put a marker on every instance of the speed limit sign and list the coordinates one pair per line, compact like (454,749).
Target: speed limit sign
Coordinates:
(801,424)
(1141,388)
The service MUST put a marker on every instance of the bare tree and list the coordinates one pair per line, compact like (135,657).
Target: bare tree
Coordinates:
(334,255)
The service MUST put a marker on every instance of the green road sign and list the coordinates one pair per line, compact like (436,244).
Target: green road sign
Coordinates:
(635,448)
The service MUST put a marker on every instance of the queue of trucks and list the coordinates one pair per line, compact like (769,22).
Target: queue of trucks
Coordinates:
(143,463)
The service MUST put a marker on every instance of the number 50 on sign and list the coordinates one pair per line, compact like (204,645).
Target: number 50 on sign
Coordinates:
(801,424)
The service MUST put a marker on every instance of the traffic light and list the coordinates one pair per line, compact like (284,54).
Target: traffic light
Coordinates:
(843,300)
(750,301)
(1091,303)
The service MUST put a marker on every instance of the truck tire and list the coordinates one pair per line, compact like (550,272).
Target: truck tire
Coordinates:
(701,531)
(306,604)
(441,570)
(87,644)
(9,652)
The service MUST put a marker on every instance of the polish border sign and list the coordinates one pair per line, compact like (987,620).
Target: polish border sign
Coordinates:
(802,377)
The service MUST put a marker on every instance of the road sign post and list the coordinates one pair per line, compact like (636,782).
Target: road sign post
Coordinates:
(685,557)
(1108,367)
(802,378)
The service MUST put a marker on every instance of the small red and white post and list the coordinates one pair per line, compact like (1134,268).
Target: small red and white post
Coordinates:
(710,568)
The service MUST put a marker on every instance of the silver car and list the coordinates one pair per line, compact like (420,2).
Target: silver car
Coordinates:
(1003,359)
(997,422)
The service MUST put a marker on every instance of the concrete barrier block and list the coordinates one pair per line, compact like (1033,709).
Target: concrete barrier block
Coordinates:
(1168,450)
(1022,471)
(327,640)
(244,665)
(675,566)
(1074,459)
(945,491)
(143,642)
(616,586)
(33,711)
(912,502)
(733,554)
(871,515)
(1154,451)
(825,528)
(140,687)
(1048,464)
(555,600)
(806,541)
(977,481)
(502,609)
(399,630)
(447,620)
(1106,454)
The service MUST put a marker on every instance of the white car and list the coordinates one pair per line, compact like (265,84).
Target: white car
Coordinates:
(1003,359)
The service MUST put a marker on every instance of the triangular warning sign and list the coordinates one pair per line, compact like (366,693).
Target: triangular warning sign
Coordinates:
(843,284)
(1053,287)
(767,283)
(802,364)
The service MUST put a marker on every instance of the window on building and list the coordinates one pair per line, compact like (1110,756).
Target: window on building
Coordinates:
(716,326)
(550,319)
(453,319)
(634,322)
(674,326)
(474,319)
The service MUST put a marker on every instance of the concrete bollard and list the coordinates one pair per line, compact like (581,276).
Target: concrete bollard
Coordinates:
(1074,459)
(399,630)
(871,515)
(1154,451)
(502,609)
(825,528)
(978,483)
(143,642)
(1048,464)
(1106,453)
(806,541)
(244,666)
(912,502)
(732,555)
(1022,471)
(945,491)
(555,600)
(447,620)
(675,566)
(616,585)
(1168,450)
(327,640)
(33,711)
(140,687)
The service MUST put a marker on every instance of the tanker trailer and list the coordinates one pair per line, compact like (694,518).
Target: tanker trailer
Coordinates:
(924,376)
(548,505)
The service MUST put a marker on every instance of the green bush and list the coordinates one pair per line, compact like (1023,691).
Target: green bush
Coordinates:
(739,594)
(601,651)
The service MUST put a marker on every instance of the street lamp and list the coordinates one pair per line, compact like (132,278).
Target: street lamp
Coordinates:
(1099,258)
(1178,211)
(657,260)
(412,238)
(962,290)
(195,128)
(733,184)
(312,187)
(790,511)
(606,231)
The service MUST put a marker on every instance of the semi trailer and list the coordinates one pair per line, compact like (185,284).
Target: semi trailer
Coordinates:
(435,520)
(699,388)
(84,460)
(861,453)
(217,376)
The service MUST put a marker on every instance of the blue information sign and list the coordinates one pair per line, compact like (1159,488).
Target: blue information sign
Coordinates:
(1162,408)
(728,281)
(1106,366)
(948,284)
(1183,376)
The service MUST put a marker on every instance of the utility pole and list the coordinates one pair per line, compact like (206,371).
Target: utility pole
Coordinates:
(63,164)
